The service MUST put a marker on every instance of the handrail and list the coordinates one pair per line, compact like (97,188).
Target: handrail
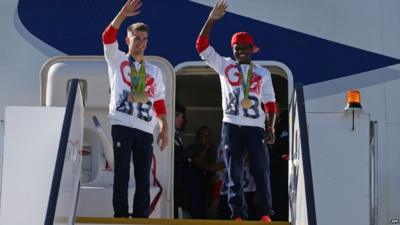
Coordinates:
(297,106)
(62,149)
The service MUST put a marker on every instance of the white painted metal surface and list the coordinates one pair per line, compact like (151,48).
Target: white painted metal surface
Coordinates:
(340,167)
(96,202)
(30,148)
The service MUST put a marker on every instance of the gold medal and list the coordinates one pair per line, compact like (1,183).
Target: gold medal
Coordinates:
(246,103)
(138,82)
(140,98)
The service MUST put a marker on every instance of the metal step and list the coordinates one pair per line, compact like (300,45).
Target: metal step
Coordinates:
(103,220)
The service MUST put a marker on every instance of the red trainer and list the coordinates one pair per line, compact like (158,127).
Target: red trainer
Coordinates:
(238,218)
(265,219)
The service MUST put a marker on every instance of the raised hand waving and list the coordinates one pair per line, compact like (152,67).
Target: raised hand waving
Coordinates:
(219,10)
(131,8)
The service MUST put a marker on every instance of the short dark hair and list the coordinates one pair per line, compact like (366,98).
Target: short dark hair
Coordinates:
(139,26)
(179,109)
(199,132)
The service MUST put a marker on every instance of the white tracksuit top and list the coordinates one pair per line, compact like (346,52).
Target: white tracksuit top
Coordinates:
(261,89)
(121,111)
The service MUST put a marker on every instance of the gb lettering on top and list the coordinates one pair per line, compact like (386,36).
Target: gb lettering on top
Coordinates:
(232,74)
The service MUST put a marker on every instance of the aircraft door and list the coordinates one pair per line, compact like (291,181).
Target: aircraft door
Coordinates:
(97,178)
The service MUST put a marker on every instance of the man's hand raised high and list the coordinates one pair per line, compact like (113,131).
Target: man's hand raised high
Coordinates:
(131,8)
(219,10)
(216,13)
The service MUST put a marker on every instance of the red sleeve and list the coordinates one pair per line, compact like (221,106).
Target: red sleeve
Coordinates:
(109,35)
(159,107)
(201,43)
(270,107)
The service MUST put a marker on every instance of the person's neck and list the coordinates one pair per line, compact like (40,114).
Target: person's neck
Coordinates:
(137,57)
(244,62)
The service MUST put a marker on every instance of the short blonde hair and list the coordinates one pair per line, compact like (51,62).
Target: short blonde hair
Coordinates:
(139,27)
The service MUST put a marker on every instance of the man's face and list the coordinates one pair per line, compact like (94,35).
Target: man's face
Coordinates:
(180,121)
(206,137)
(242,53)
(137,42)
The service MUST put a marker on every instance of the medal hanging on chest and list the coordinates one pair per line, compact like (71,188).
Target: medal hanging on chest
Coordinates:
(246,102)
(138,82)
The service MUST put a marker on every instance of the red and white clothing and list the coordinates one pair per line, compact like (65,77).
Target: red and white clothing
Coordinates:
(261,89)
(243,130)
(122,111)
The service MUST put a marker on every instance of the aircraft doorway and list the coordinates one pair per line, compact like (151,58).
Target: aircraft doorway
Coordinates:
(198,90)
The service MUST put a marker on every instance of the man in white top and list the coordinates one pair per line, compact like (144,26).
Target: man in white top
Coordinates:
(137,102)
(246,90)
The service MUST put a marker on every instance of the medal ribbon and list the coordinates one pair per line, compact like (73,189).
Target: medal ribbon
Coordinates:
(138,77)
(246,84)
